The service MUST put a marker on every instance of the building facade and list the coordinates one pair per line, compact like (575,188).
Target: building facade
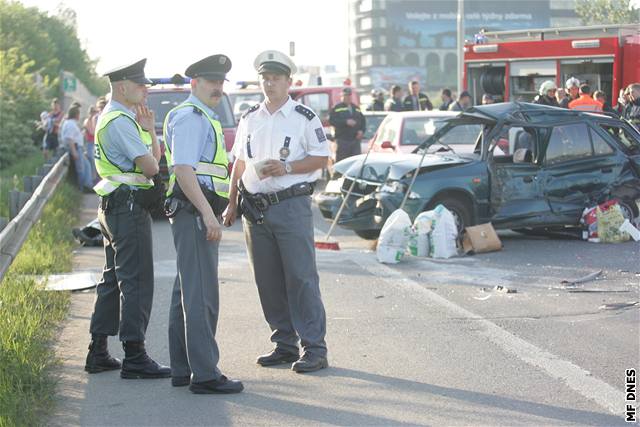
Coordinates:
(395,41)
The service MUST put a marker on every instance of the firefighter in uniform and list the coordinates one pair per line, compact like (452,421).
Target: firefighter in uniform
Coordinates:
(416,100)
(280,149)
(585,102)
(126,159)
(197,196)
(349,124)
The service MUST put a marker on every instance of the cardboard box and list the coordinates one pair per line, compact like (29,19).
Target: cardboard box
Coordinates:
(480,238)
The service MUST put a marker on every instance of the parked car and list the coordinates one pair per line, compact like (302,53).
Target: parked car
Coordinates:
(372,123)
(243,99)
(403,132)
(534,168)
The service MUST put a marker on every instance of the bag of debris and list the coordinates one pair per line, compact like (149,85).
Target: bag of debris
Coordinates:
(90,234)
(589,220)
(419,240)
(609,222)
(443,242)
(394,237)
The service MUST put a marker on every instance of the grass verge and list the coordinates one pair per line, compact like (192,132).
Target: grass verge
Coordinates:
(29,316)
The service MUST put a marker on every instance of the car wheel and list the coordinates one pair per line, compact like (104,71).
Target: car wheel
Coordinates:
(459,209)
(629,210)
(368,234)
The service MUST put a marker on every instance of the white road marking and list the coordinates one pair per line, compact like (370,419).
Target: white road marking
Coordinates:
(575,377)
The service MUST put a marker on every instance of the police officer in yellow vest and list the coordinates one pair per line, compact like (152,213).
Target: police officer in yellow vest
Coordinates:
(198,194)
(126,158)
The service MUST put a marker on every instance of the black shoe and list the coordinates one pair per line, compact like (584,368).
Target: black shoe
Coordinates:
(222,385)
(138,365)
(309,363)
(98,358)
(180,381)
(277,357)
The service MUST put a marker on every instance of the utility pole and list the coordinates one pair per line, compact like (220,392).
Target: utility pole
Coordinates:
(460,45)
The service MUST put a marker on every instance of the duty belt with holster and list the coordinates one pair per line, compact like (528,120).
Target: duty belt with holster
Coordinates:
(178,200)
(148,199)
(253,206)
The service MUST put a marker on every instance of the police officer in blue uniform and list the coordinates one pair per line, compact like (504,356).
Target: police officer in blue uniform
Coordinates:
(280,149)
(197,196)
(126,158)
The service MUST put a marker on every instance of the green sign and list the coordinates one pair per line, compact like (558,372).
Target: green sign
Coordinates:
(69,84)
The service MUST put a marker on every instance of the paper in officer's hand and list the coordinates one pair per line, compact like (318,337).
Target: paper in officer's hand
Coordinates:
(259,168)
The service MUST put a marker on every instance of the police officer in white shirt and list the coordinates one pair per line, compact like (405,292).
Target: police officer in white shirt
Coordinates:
(280,150)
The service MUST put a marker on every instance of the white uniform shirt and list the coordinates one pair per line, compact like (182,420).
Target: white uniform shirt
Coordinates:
(261,136)
(70,130)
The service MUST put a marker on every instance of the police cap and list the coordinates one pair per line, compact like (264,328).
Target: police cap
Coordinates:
(214,67)
(133,72)
(272,61)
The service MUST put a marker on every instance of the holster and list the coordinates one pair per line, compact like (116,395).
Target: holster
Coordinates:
(218,204)
(250,210)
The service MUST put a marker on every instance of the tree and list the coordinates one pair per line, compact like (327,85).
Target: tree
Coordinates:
(21,102)
(50,41)
(601,12)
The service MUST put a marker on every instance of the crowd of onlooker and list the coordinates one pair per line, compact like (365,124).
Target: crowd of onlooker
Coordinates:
(65,131)
(580,97)
(574,95)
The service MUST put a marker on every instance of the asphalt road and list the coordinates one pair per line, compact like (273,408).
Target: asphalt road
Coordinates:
(423,342)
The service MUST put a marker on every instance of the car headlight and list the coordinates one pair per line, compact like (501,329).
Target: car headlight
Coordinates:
(334,185)
(393,187)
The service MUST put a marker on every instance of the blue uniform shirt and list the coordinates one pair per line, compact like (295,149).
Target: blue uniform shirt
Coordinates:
(120,140)
(191,137)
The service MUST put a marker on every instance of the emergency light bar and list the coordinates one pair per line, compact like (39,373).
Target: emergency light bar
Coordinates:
(485,48)
(177,79)
(585,44)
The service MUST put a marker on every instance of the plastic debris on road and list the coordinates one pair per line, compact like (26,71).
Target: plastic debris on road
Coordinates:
(394,237)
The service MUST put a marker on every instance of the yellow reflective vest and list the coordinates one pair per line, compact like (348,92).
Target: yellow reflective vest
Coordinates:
(217,170)
(112,176)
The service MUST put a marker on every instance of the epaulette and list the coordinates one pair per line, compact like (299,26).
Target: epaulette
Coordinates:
(251,110)
(305,112)
(197,110)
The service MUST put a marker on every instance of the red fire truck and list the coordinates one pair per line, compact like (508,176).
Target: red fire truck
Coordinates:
(511,65)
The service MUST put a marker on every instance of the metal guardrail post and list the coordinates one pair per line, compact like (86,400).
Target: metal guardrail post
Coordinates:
(16,231)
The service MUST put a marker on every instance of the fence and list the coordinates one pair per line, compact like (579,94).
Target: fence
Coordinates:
(26,207)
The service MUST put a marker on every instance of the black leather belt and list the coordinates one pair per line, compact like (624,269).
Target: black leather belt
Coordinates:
(263,200)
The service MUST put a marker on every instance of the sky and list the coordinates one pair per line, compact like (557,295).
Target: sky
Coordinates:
(174,34)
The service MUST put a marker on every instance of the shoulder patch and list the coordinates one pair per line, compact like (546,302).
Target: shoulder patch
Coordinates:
(305,112)
(251,110)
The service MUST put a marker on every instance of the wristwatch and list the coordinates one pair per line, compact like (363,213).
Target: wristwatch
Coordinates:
(287,168)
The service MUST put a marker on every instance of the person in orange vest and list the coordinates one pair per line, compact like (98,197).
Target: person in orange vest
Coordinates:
(585,102)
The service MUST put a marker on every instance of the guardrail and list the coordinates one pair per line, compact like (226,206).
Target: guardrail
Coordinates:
(25,209)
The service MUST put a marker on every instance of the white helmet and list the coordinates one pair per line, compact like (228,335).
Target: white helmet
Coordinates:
(547,86)
(572,82)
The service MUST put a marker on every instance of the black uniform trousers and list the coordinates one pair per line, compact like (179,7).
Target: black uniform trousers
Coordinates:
(125,292)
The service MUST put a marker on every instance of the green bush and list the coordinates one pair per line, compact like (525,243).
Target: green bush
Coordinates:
(21,103)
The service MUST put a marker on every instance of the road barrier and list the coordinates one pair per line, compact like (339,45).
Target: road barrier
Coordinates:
(26,207)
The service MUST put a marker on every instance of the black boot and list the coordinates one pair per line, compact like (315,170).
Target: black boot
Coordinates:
(137,364)
(99,359)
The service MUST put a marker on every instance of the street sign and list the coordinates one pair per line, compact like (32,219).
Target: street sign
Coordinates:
(69,84)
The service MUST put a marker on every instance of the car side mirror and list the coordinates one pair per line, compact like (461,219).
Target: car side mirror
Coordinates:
(387,144)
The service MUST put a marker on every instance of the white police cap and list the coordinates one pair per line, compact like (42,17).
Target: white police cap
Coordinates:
(273,61)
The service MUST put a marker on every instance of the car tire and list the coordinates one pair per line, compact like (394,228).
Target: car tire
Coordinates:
(368,234)
(460,210)
(629,210)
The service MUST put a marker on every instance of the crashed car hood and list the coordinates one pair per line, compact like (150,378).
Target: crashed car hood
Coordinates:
(378,164)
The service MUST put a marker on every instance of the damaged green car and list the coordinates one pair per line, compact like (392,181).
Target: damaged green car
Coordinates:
(534,168)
